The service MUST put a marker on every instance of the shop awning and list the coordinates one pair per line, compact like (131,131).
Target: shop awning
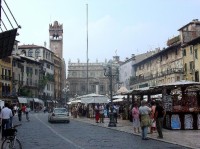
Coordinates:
(54,101)
(49,101)
(36,100)
(22,100)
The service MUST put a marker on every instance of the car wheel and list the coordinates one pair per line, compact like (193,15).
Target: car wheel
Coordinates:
(67,121)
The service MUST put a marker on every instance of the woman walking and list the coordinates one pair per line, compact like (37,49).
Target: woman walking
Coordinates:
(136,119)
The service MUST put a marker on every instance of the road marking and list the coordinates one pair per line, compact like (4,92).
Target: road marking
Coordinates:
(56,133)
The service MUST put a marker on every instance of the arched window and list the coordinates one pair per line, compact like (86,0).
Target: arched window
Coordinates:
(30,53)
(37,53)
(23,52)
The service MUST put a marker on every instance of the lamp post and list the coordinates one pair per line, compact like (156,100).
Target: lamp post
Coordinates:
(109,73)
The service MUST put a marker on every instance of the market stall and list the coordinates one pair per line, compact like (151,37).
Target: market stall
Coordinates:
(181,100)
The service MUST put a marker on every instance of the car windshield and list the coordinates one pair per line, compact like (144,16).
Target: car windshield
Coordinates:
(59,110)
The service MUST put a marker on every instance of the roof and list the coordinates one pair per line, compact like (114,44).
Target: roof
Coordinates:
(29,46)
(158,89)
(195,21)
(160,52)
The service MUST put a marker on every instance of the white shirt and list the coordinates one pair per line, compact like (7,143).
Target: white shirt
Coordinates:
(6,113)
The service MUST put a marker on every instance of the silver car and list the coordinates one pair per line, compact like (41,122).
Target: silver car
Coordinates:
(59,115)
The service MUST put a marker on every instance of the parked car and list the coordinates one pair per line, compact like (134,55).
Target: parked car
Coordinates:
(59,115)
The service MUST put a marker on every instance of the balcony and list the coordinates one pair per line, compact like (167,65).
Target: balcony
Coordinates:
(31,85)
(139,79)
(7,78)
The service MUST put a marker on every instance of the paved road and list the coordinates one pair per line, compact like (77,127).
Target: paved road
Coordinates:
(39,134)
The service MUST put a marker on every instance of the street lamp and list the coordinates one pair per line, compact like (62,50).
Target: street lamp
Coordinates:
(65,90)
(109,73)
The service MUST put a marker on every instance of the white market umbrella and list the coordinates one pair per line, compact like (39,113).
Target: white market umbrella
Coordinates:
(94,98)
(118,100)
(122,90)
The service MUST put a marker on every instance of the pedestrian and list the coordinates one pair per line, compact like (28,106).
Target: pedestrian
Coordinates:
(23,109)
(97,115)
(115,112)
(159,116)
(152,115)
(27,110)
(101,112)
(45,109)
(19,113)
(136,119)
(15,109)
(145,120)
(6,114)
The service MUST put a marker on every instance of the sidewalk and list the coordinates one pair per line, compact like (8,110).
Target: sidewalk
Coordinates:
(187,138)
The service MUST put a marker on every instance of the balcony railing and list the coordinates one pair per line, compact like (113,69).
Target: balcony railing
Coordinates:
(139,79)
(29,84)
(7,78)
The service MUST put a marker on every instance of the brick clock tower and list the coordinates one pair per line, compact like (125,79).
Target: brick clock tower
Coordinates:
(56,38)
(56,46)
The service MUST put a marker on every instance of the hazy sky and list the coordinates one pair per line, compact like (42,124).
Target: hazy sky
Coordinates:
(121,27)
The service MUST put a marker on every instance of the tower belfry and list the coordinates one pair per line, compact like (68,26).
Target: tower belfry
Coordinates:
(56,38)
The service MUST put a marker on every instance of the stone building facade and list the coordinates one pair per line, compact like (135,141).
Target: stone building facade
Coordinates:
(46,58)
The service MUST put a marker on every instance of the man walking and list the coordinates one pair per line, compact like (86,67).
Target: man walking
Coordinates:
(159,116)
(6,114)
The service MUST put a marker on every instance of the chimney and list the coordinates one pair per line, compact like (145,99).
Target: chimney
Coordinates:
(45,44)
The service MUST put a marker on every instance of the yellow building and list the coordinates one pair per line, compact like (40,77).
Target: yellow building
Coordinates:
(6,78)
(191,59)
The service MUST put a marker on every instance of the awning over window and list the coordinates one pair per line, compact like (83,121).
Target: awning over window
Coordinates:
(22,100)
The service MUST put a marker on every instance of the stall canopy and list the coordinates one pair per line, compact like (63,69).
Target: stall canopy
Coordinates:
(36,99)
(118,100)
(119,96)
(94,98)
(122,90)
(22,100)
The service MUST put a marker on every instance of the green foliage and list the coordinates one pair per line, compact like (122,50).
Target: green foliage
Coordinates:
(43,82)
(50,77)
(25,92)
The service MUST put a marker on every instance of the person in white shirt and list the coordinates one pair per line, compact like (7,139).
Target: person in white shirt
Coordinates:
(6,114)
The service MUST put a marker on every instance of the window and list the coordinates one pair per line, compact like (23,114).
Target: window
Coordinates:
(196,53)
(30,53)
(48,66)
(23,52)
(191,50)
(83,88)
(184,52)
(101,88)
(37,53)
(185,67)
(191,65)
(36,71)
(48,87)
(93,88)
(176,51)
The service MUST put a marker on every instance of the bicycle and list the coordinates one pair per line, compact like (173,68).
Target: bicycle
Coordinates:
(11,141)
